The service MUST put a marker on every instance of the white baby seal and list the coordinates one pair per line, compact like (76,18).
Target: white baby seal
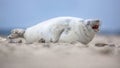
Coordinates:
(62,29)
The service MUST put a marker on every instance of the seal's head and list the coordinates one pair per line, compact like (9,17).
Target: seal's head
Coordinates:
(93,24)
(15,33)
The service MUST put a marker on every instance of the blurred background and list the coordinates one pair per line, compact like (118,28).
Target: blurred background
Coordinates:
(26,13)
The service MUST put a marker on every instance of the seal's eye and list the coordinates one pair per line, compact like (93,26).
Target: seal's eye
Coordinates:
(95,26)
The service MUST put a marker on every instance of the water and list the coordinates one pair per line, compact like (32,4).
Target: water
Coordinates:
(6,32)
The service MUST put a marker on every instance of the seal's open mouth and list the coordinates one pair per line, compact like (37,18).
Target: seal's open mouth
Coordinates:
(95,27)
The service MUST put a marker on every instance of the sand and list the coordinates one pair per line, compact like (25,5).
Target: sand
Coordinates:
(102,52)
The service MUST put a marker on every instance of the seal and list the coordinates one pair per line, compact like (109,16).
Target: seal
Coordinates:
(60,29)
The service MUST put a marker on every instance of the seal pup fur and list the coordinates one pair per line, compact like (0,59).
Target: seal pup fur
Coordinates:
(60,29)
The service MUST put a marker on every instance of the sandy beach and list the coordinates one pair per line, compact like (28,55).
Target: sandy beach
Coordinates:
(102,52)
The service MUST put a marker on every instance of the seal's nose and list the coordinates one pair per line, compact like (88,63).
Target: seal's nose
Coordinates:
(97,20)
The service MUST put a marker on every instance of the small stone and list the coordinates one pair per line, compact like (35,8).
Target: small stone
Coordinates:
(100,44)
(112,45)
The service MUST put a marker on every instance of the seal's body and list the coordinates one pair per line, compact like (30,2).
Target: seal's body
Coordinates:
(49,31)
(63,29)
